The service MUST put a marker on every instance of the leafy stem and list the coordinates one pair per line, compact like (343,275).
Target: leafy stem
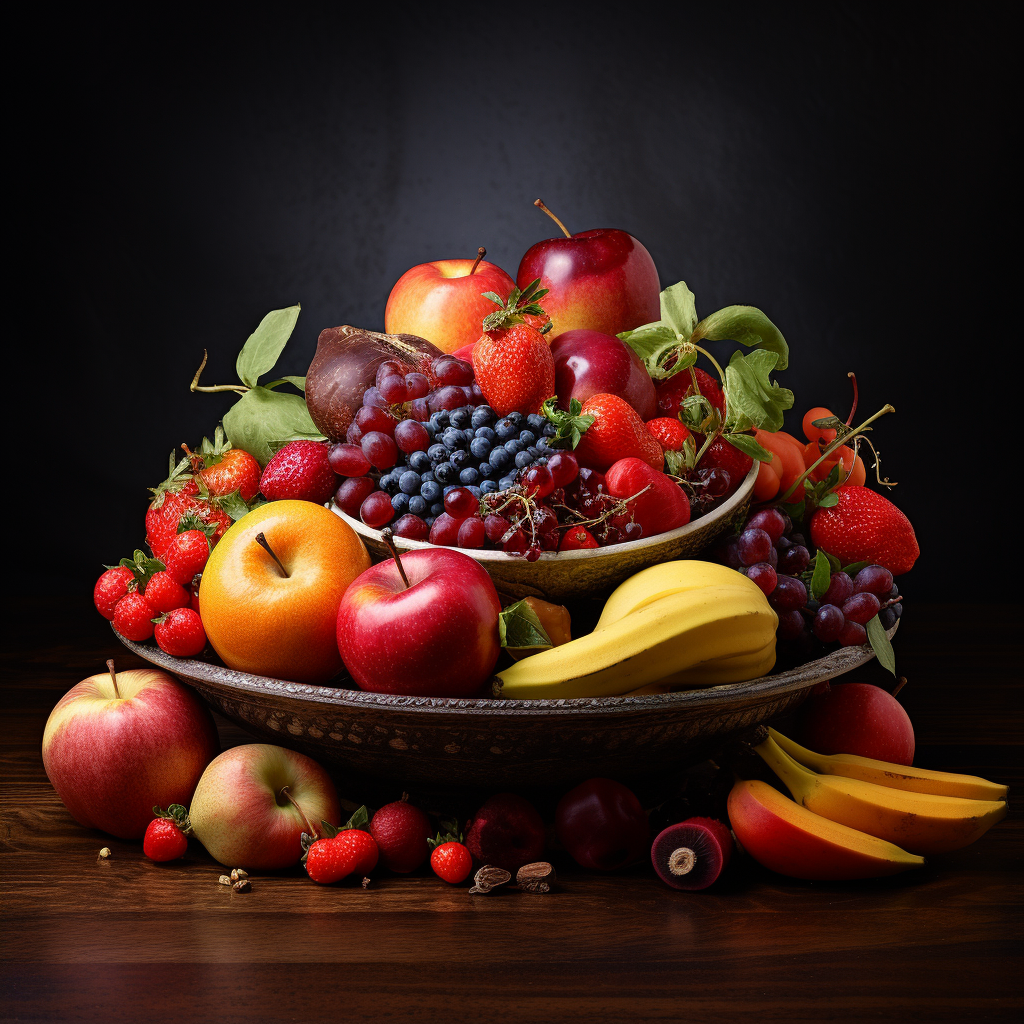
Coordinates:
(196,386)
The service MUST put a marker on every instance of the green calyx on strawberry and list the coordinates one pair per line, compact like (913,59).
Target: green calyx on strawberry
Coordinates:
(177,815)
(570,425)
(360,821)
(142,567)
(449,833)
(179,478)
(519,308)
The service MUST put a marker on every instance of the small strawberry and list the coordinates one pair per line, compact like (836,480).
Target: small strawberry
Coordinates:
(669,432)
(577,538)
(223,469)
(333,858)
(164,593)
(450,859)
(180,632)
(186,555)
(300,471)
(671,392)
(133,617)
(110,588)
(171,514)
(864,526)
(167,834)
(512,360)
(604,430)
(722,455)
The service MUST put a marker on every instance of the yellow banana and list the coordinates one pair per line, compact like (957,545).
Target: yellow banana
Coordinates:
(921,823)
(664,637)
(895,776)
(716,672)
(660,581)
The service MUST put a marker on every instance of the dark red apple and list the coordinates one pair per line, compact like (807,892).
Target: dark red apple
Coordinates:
(601,280)
(507,831)
(426,627)
(857,718)
(591,363)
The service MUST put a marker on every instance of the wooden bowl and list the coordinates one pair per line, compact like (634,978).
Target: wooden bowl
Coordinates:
(571,575)
(451,744)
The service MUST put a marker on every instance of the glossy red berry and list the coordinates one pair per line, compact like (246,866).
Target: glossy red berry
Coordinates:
(110,588)
(186,556)
(164,840)
(165,593)
(451,862)
(180,633)
(133,617)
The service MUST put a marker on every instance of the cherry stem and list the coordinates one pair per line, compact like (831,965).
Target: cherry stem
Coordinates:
(389,539)
(312,830)
(195,386)
(900,685)
(480,254)
(113,677)
(856,394)
(263,543)
(540,203)
(681,861)
(837,443)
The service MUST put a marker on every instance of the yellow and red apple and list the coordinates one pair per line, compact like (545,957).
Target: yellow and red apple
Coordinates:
(253,803)
(115,745)
(270,592)
(443,301)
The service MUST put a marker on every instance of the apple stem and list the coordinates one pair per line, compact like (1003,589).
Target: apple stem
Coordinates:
(540,203)
(900,685)
(681,861)
(389,539)
(312,830)
(113,677)
(262,541)
(480,254)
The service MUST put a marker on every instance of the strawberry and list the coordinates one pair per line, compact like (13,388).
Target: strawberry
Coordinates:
(333,858)
(186,555)
(722,455)
(669,432)
(223,469)
(577,538)
(164,593)
(300,471)
(864,526)
(451,862)
(671,392)
(133,617)
(180,632)
(167,834)
(110,588)
(604,430)
(173,513)
(512,360)
(660,504)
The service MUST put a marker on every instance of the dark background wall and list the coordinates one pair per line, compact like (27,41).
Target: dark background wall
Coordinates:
(843,167)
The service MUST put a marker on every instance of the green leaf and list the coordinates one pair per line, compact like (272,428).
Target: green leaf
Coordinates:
(360,820)
(828,501)
(299,382)
(748,444)
(143,567)
(261,416)
(679,310)
(652,343)
(855,567)
(571,426)
(834,562)
(234,504)
(752,399)
(880,645)
(449,833)
(748,326)
(822,577)
(260,353)
(519,627)
(795,510)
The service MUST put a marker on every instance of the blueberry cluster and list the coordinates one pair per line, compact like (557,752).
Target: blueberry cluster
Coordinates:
(470,447)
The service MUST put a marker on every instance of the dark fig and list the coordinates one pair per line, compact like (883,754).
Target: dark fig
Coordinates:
(692,854)
(345,365)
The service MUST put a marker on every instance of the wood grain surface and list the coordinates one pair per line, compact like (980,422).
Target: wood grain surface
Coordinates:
(128,940)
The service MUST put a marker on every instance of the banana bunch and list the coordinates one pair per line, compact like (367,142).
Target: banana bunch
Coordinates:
(854,817)
(678,624)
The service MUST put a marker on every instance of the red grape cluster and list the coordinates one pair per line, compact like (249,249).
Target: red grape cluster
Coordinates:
(777,558)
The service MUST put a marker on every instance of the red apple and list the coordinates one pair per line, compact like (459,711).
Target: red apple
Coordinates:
(857,718)
(506,831)
(591,363)
(115,746)
(427,626)
(601,280)
(443,301)
(254,802)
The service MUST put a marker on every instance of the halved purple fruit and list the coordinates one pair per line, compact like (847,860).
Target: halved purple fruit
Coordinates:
(692,854)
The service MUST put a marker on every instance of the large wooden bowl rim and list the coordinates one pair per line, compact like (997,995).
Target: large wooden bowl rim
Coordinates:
(733,502)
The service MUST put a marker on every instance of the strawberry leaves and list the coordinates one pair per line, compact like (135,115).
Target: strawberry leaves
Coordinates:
(512,310)
(177,814)
(142,567)
(449,832)
(570,426)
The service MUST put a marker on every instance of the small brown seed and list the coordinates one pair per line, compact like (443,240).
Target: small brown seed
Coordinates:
(366,883)
(105,853)
(241,873)
(490,877)
(224,880)
(537,877)
(242,885)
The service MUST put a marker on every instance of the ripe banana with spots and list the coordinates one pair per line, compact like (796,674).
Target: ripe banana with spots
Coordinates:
(921,823)
(659,640)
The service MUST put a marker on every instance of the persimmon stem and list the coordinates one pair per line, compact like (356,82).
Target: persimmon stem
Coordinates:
(113,677)
(312,829)
(263,543)
(540,203)
(480,254)
(195,385)
(389,539)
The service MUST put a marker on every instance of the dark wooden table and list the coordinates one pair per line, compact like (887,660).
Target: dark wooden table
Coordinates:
(128,940)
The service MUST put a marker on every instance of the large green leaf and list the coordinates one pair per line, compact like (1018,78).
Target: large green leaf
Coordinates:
(753,400)
(261,416)
(260,353)
(679,310)
(747,325)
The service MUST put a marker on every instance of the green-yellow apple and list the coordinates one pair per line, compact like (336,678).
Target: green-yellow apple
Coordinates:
(443,301)
(254,802)
(116,745)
